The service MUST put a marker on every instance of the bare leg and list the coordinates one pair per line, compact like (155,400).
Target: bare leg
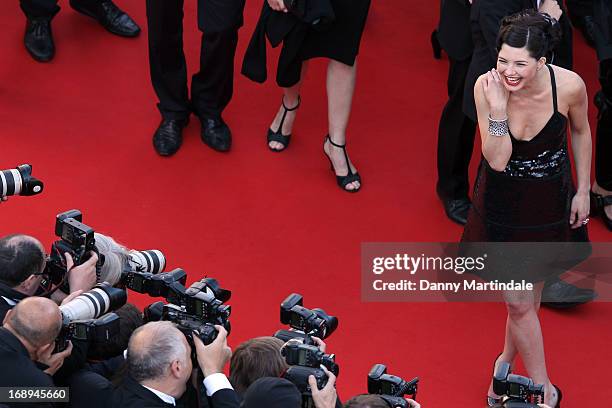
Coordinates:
(510,350)
(290,99)
(598,190)
(340,88)
(526,332)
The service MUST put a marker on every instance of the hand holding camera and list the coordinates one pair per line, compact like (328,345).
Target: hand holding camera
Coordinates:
(213,357)
(82,277)
(326,397)
(53,360)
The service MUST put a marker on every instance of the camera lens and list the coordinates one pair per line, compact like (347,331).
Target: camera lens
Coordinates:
(152,261)
(10,182)
(94,303)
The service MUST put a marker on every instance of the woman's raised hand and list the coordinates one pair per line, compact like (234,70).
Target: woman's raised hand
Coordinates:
(496,94)
(277,5)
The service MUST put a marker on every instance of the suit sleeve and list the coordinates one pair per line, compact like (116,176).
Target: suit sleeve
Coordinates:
(224,398)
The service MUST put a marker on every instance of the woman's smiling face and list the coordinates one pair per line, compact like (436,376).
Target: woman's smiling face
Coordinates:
(516,67)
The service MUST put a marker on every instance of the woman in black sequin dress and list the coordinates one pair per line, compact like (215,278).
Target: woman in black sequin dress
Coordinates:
(524,190)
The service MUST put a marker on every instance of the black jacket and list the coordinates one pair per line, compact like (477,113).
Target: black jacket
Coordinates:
(8,293)
(130,394)
(603,29)
(454,29)
(485,21)
(18,370)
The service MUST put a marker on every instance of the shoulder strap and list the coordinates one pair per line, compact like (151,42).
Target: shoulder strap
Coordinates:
(554,86)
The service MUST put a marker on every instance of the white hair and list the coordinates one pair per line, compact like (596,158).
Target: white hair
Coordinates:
(151,353)
(115,258)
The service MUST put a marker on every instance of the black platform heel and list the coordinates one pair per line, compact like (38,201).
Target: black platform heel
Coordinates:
(277,136)
(598,204)
(351,177)
(435,45)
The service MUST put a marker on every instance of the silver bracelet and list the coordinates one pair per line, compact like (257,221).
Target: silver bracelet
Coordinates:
(498,128)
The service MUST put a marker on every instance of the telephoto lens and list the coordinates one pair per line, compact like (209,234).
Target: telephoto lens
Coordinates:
(94,303)
(151,261)
(19,181)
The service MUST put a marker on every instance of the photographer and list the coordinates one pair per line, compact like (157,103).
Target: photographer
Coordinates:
(160,368)
(254,359)
(22,266)
(27,337)
(374,401)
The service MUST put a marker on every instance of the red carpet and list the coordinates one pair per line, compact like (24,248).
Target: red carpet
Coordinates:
(270,224)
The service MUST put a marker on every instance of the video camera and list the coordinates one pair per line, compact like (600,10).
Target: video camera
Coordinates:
(304,323)
(86,317)
(520,392)
(391,388)
(19,181)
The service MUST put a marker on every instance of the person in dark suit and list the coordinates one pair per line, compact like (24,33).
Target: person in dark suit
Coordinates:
(27,339)
(159,369)
(211,87)
(38,38)
(456,130)
(601,191)
(581,13)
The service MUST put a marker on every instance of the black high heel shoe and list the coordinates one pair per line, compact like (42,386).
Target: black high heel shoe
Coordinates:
(351,177)
(277,136)
(435,45)
(598,204)
(559,397)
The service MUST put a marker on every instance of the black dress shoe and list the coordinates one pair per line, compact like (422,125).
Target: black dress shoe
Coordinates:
(558,294)
(169,136)
(216,134)
(38,39)
(457,210)
(109,16)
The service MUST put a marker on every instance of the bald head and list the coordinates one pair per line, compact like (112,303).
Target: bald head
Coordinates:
(152,349)
(20,257)
(37,320)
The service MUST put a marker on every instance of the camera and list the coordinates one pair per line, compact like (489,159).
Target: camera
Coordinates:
(77,239)
(195,309)
(19,181)
(164,285)
(304,355)
(391,388)
(85,317)
(298,375)
(300,351)
(520,392)
(304,323)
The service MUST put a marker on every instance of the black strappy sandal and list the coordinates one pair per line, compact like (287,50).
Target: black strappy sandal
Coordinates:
(277,136)
(351,177)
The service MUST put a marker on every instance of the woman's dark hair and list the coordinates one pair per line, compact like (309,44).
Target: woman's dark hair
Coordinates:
(539,32)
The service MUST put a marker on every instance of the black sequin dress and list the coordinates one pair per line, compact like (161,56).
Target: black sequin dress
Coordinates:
(530,200)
